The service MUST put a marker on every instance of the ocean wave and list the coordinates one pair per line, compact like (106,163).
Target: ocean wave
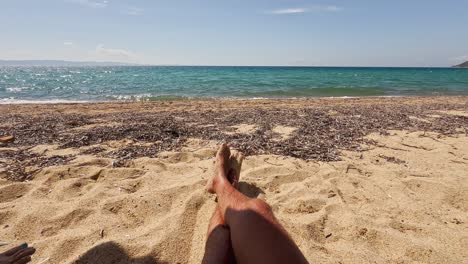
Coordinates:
(313,92)
(25,101)
(180,83)
(130,99)
(147,97)
(16,89)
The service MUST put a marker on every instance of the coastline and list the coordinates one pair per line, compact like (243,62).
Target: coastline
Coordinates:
(186,98)
(356,180)
(195,99)
(460,101)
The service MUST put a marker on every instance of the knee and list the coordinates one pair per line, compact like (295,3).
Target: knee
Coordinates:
(219,235)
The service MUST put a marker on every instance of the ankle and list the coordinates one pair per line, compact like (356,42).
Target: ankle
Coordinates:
(220,184)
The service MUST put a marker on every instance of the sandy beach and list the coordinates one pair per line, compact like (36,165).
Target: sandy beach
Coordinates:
(370,180)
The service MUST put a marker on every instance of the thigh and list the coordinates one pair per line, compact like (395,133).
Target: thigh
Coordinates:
(260,239)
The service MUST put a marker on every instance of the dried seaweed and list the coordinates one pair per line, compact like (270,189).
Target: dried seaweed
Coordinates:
(93,150)
(20,165)
(322,129)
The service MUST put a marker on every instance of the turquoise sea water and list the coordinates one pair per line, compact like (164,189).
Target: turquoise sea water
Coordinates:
(20,84)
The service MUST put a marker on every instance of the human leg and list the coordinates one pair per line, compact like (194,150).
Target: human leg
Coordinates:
(218,247)
(256,234)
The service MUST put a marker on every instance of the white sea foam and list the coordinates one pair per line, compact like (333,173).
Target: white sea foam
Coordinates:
(12,100)
(135,97)
(139,98)
(16,89)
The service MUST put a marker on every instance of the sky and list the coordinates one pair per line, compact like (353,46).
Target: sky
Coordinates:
(238,32)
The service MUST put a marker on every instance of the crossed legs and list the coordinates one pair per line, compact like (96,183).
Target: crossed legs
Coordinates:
(218,245)
(245,225)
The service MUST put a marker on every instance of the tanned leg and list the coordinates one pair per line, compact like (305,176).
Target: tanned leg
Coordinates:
(218,248)
(256,235)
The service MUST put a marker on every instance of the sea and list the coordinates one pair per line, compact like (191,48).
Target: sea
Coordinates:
(146,83)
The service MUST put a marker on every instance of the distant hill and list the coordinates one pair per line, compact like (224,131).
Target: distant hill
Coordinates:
(60,63)
(463,65)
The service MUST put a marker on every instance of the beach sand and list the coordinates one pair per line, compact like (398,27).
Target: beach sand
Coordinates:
(400,196)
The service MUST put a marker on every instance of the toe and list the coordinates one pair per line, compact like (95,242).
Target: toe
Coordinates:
(223,153)
(235,165)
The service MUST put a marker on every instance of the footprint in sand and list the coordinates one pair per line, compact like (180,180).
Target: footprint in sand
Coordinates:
(5,216)
(404,227)
(54,225)
(13,191)
(96,163)
(40,224)
(305,206)
(278,180)
(316,229)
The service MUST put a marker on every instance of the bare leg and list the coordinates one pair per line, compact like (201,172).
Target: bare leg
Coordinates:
(218,244)
(256,235)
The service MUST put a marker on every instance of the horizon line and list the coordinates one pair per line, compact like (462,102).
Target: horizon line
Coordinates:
(132,64)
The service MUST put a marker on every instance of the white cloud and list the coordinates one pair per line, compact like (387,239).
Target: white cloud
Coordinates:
(329,8)
(134,11)
(91,3)
(68,43)
(288,11)
(113,53)
(316,8)
(460,59)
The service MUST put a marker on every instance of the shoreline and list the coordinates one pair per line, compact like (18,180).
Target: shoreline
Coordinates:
(187,98)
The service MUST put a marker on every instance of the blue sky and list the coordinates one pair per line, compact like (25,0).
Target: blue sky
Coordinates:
(240,32)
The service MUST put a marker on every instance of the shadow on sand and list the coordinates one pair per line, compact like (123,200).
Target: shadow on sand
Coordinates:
(111,253)
(249,190)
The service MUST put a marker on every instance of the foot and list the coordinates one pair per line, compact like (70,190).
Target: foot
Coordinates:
(221,169)
(234,168)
